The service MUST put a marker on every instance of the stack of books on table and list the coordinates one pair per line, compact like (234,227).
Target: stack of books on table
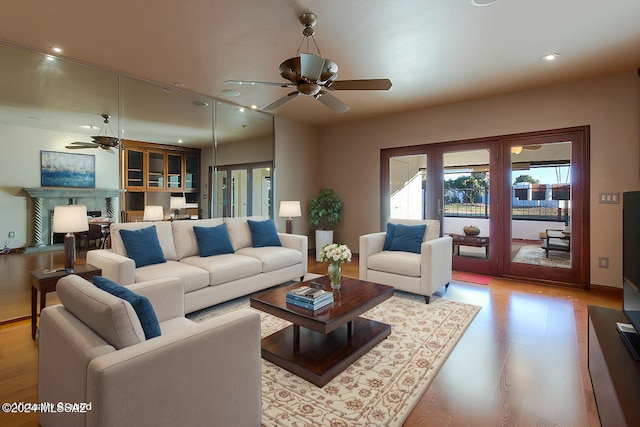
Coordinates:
(309,298)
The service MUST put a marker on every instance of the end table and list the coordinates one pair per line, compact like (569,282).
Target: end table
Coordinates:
(45,281)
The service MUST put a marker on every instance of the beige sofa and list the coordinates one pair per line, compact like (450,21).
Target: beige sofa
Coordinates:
(93,353)
(207,280)
(419,273)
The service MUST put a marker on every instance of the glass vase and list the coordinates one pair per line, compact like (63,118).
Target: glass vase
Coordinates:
(334,275)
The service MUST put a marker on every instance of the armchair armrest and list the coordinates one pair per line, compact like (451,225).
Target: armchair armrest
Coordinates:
(369,244)
(435,263)
(166,296)
(299,243)
(118,268)
(207,374)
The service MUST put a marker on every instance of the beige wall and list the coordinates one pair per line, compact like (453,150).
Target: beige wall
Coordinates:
(298,170)
(610,105)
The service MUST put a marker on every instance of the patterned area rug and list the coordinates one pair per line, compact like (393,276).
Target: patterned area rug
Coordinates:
(383,386)
(536,255)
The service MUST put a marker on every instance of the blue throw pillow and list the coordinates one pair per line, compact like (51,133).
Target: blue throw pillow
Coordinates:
(263,233)
(213,240)
(391,231)
(143,246)
(408,238)
(140,304)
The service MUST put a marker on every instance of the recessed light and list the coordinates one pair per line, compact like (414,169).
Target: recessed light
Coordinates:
(50,58)
(254,107)
(200,103)
(230,92)
(56,49)
(179,141)
(241,109)
(551,56)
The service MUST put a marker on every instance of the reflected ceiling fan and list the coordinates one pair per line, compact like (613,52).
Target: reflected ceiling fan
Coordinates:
(518,149)
(99,141)
(313,75)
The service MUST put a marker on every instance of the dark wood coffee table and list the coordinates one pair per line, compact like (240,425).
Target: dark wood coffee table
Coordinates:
(321,344)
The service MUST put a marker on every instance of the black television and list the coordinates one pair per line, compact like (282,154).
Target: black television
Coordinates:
(631,271)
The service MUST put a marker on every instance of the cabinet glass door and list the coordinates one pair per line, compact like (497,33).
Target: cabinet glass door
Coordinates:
(156,170)
(135,161)
(174,171)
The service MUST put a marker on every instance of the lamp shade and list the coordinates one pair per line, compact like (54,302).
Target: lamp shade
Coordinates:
(290,209)
(153,213)
(70,219)
(178,202)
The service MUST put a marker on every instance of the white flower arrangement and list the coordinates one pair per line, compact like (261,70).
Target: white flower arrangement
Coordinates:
(334,253)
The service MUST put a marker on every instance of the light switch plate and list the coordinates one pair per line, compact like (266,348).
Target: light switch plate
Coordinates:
(609,198)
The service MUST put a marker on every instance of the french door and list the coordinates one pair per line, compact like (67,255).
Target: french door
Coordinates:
(510,194)
(243,190)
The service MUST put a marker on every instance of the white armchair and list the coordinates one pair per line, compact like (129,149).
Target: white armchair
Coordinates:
(420,273)
(93,351)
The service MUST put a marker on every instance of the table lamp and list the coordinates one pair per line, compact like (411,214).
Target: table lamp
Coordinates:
(70,219)
(153,213)
(177,203)
(290,209)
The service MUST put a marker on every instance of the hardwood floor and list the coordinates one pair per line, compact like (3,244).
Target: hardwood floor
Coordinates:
(523,360)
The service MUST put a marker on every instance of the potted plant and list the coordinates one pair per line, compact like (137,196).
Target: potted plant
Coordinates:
(325,211)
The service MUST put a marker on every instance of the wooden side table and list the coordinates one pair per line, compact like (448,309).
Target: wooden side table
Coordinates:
(45,282)
(473,241)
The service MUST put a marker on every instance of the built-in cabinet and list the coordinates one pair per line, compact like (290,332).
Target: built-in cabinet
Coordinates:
(155,172)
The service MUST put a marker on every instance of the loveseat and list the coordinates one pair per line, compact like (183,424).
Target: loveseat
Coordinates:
(207,280)
(99,366)
(419,263)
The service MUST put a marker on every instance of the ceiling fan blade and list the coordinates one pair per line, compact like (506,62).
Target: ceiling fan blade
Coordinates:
(280,101)
(78,144)
(311,67)
(532,147)
(332,102)
(245,82)
(370,84)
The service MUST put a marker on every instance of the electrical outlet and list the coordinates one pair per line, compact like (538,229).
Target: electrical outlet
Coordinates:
(603,262)
(12,234)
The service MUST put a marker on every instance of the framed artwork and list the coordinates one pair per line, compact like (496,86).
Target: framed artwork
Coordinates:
(67,170)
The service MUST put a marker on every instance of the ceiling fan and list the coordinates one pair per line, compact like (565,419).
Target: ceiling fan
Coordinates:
(99,141)
(313,75)
(518,149)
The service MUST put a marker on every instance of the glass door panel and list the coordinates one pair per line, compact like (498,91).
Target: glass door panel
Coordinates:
(407,186)
(239,187)
(156,170)
(261,192)
(466,208)
(540,211)
(221,204)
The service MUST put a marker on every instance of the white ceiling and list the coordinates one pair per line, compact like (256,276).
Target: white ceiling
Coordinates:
(434,51)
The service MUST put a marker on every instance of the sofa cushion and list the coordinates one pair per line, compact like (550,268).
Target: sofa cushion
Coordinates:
(273,258)
(239,231)
(192,278)
(143,246)
(263,233)
(141,305)
(225,268)
(112,318)
(403,263)
(185,238)
(408,238)
(163,230)
(213,240)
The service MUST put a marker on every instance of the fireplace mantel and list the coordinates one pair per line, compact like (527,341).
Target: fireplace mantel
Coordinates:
(45,199)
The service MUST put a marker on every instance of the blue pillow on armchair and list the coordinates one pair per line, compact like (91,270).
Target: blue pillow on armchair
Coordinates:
(408,238)
(213,240)
(143,246)
(141,305)
(263,233)
(391,231)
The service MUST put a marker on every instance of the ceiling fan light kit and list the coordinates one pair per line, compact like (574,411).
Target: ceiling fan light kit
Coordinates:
(309,74)
(105,141)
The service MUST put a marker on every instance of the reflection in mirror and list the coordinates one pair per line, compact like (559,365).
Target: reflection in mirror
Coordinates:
(541,204)
(175,122)
(244,161)
(46,103)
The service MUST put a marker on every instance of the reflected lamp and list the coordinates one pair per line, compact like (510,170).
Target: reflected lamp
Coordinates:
(70,219)
(153,213)
(290,209)
(176,203)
